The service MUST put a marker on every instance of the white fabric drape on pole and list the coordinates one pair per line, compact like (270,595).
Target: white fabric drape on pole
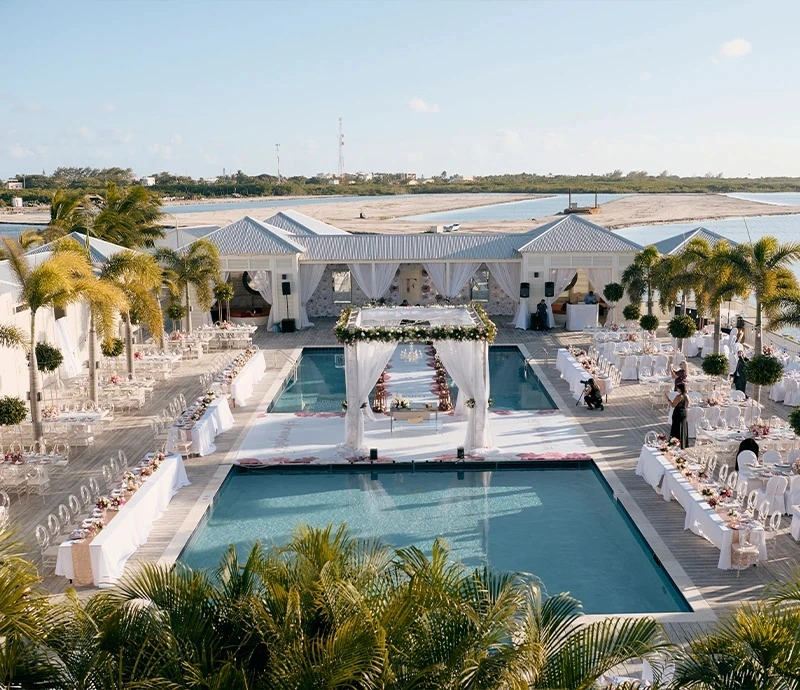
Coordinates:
(363,364)
(561,277)
(449,278)
(507,276)
(467,362)
(310,275)
(374,279)
(71,366)
(262,281)
(598,279)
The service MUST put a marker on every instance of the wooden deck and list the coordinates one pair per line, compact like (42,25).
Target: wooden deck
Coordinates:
(617,433)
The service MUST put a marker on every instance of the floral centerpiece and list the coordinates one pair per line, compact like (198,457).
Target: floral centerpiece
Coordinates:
(50,412)
(14,457)
(713,400)
(768,350)
(97,525)
(759,430)
(130,481)
(116,380)
(400,403)
(176,335)
(138,355)
(103,503)
(796,466)
(117,502)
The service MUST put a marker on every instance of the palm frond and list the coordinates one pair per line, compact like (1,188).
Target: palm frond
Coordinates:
(11,336)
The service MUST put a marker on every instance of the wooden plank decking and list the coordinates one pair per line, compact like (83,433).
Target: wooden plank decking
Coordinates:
(617,433)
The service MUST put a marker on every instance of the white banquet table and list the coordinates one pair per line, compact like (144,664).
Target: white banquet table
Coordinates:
(573,372)
(249,376)
(216,419)
(130,528)
(580,316)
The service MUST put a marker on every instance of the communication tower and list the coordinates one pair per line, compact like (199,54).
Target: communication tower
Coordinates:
(278,156)
(341,152)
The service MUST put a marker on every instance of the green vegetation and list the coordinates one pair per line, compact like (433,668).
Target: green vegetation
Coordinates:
(224,293)
(631,312)
(640,277)
(39,189)
(113,349)
(715,365)
(12,411)
(48,357)
(763,370)
(649,322)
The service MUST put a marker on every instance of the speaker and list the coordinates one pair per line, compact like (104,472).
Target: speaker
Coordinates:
(288,326)
(286,288)
(524,290)
(549,289)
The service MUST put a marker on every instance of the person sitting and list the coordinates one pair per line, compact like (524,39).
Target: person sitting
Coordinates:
(591,298)
(592,395)
(679,374)
(405,303)
(541,316)
(747,444)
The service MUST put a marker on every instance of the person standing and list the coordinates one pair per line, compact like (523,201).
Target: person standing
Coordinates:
(680,426)
(591,298)
(679,374)
(739,380)
(541,315)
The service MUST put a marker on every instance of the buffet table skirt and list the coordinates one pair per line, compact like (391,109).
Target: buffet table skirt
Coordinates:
(249,376)
(128,530)
(215,420)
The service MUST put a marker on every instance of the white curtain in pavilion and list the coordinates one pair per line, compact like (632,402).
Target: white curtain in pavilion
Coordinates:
(598,279)
(374,279)
(71,366)
(363,364)
(450,282)
(310,275)
(561,277)
(262,281)
(507,276)
(467,361)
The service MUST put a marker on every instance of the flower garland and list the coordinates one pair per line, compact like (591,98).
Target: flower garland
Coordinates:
(350,335)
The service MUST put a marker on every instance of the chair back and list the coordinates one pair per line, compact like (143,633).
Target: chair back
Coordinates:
(776,486)
(86,496)
(74,505)
(651,438)
(723,473)
(712,415)
(775,521)
(733,480)
(751,500)
(660,365)
(732,415)
(772,457)
(747,456)
(738,396)
(41,537)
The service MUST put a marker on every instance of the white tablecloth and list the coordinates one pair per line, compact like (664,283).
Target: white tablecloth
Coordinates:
(130,528)
(249,376)
(580,316)
(216,419)
(652,465)
(573,373)
(701,518)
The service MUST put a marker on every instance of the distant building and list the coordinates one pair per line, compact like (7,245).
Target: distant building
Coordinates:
(406,176)
(13,184)
(208,180)
(147,181)
(333,180)
(16,202)
(462,178)
(411,183)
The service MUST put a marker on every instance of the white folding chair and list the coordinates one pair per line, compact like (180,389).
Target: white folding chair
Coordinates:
(772,495)
(49,553)
(746,457)
(771,457)
(738,396)
(732,415)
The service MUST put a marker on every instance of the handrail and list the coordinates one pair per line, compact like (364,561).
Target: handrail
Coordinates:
(546,355)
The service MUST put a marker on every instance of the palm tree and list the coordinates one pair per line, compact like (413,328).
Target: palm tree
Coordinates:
(138,277)
(129,218)
(11,336)
(765,266)
(639,278)
(60,280)
(197,266)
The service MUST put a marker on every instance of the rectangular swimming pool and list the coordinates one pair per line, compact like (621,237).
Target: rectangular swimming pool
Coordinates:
(319,386)
(560,523)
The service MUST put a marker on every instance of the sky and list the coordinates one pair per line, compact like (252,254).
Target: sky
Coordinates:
(474,88)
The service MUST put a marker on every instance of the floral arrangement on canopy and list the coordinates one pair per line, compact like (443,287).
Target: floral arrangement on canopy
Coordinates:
(348,334)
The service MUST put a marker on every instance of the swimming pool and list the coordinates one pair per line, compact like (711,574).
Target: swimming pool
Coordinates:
(560,523)
(319,385)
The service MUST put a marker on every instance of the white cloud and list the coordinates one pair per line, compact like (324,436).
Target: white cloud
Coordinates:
(510,139)
(176,139)
(735,48)
(19,151)
(161,150)
(645,76)
(109,107)
(419,106)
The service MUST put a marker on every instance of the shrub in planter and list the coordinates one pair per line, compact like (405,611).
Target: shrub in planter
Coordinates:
(763,370)
(12,411)
(632,312)
(794,420)
(223,292)
(176,311)
(613,292)
(681,327)
(715,365)
(48,357)
(113,349)
(649,322)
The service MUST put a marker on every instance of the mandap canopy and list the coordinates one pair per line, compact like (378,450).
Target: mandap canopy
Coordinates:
(461,336)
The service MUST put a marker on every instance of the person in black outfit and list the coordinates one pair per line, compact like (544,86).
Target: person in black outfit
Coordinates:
(680,427)
(592,395)
(739,381)
(747,444)
(541,316)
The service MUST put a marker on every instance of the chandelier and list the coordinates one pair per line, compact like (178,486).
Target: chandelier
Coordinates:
(411,354)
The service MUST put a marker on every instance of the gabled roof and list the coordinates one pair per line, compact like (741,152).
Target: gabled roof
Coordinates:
(100,250)
(300,224)
(677,243)
(250,236)
(575,234)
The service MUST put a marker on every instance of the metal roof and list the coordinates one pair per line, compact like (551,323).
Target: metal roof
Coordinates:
(99,250)
(250,236)
(300,224)
(575,234)
(677,243)
(412,247)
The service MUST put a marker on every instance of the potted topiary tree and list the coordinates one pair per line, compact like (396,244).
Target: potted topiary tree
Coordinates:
(649,323)
(631,312)
(794,420)
(680,328)
(763,370)
(48,357)
(176,312)
(114,348)
(224,292)
(715,366)
(13,411)
(613,292)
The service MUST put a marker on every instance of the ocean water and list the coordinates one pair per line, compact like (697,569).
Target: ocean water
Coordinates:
(776,198)
(177,209)
(515,210)
(562,525)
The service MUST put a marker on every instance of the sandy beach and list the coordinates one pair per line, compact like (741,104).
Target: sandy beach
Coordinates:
(383,215)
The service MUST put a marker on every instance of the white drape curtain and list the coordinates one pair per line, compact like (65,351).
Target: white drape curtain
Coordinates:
(450,278)
(507,276)
(262,281)
(598,279)
(363,364)
(71,366)
(561,277)
(468,363)
(310,275)
(374,279)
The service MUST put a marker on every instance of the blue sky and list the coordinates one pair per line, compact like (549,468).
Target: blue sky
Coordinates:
(468,87)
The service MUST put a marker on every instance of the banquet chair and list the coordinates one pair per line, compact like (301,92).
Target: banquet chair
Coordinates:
(744,553)
(693,417)
(732,415)
(660,365)
(793,455)
(791,493)
(746,457)
(751,414)
(94,487)
(732,482)
(49,553)
(795,527)
(74,507)
(712,464)
(64,517)
(772,495)
(183,443)
(771,457)
(723,473)
(712,415)
(38,480)
(752,499)
(12,479)
(777,392)
(646,365)
(772,527)
(108,477)
(792,394)
(86,498)
(695,397)
(123,460)
(678,358)
(738,396)
(53,528)
(630,368)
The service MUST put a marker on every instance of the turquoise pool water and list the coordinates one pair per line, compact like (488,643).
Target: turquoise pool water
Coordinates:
(562,525)
(320,387)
